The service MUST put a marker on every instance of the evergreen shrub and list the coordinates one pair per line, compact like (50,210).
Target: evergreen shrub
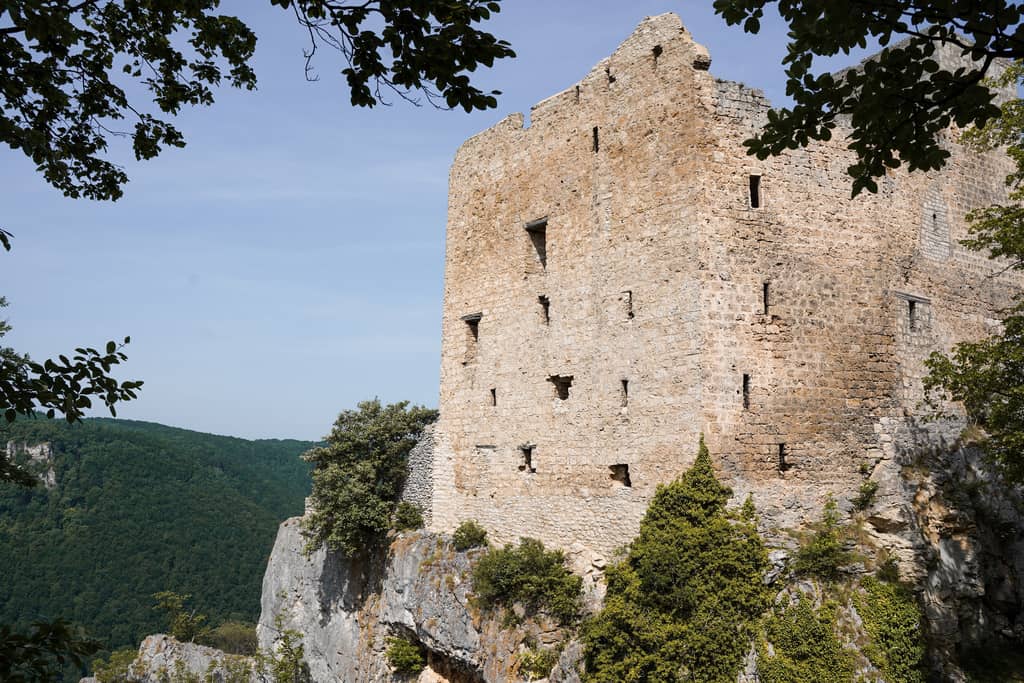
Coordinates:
(407,517)
(468,535)
(804,646)
(405,657)
(822,553)
(892,619)
(683,604)
(529,575)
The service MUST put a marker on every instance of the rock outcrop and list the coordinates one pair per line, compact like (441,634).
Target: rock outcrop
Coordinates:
(418,590)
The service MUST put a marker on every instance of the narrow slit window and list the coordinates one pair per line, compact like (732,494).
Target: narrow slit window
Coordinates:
(783,463)
(597,141)
(494,397)
(627,304)
(746,391)
(472,335)
(620,475)
(912,315)
(765,300)
(545,308)
(657,50)
(526,459)
(562,384)
(624,392)
(538,231)
(755,192)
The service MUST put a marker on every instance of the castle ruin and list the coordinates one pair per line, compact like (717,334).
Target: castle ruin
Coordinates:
(621,277)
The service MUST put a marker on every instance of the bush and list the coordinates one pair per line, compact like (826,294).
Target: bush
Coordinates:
(866,496)
(116,669)
(358,475)
(529,575)
(805,647)
(892,619)
(407,517)
(233,637)
(185,624)
(405,657)
(822,553)
(682,604)
(469,535)
(537,662)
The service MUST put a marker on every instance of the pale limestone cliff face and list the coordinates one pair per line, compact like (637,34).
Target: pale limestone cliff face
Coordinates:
(345,610)
(162,657)
(38,458)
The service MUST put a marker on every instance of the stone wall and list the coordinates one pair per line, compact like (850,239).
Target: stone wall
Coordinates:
(621,277)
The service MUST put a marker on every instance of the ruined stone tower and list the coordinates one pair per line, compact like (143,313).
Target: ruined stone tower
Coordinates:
(622,277)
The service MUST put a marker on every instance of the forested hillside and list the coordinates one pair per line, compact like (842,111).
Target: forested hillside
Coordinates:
(138,508)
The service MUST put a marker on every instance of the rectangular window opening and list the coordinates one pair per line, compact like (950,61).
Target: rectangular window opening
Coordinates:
(494,397)
(472,335)
(597,142)
(783,464)
(755,192)
(545,308)
(746,391)
(526,459)
(912,314)
(538,231)
(627,302)
(620,475)
(765,301)
(624,392)
(562,384)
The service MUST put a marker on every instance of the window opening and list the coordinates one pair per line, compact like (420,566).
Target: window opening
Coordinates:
(545,308)
(624,392)
(562,384)
(783,465)
(577,94)
(746,391)
(472,335)
(538,231)
(656,51)
(620,474)
(608,72)
(526,459)
(755,191)
(597,141)
(494,397)
(912,314)
(627,301)
(764,296)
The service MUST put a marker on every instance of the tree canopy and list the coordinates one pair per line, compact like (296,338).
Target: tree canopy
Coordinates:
(901,101)
(70,71)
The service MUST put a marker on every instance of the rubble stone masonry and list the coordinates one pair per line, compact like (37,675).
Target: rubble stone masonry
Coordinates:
(621,277)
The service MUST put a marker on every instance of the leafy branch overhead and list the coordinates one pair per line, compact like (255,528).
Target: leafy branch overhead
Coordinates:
(901,101)
(66,69)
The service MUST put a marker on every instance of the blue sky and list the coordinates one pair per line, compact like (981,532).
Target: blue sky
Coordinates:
(288,262)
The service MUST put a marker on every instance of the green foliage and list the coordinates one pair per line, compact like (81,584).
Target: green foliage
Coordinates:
(358,474)
(232,637)
(866,495)
(529,575)
(43,652)
(183,623)
(407,517)
(468,535)
(805,646)
(901,102)
(138,508)
(72,71)
(683,604)
(822,553)
(116,669)
(892,619)
(287,663)
(67,385)
(537,662)
(405,657)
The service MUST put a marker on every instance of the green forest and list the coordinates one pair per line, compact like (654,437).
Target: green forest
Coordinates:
(139,508)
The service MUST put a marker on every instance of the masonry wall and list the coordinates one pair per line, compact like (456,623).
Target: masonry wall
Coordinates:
(646,286)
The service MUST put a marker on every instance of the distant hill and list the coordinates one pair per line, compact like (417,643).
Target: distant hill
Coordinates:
(132,508)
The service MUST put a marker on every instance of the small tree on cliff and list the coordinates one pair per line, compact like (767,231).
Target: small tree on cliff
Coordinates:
(358,475)
(682,605)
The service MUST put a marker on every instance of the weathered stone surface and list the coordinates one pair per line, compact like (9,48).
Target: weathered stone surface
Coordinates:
(38,457)
(419,590)
(161,656)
